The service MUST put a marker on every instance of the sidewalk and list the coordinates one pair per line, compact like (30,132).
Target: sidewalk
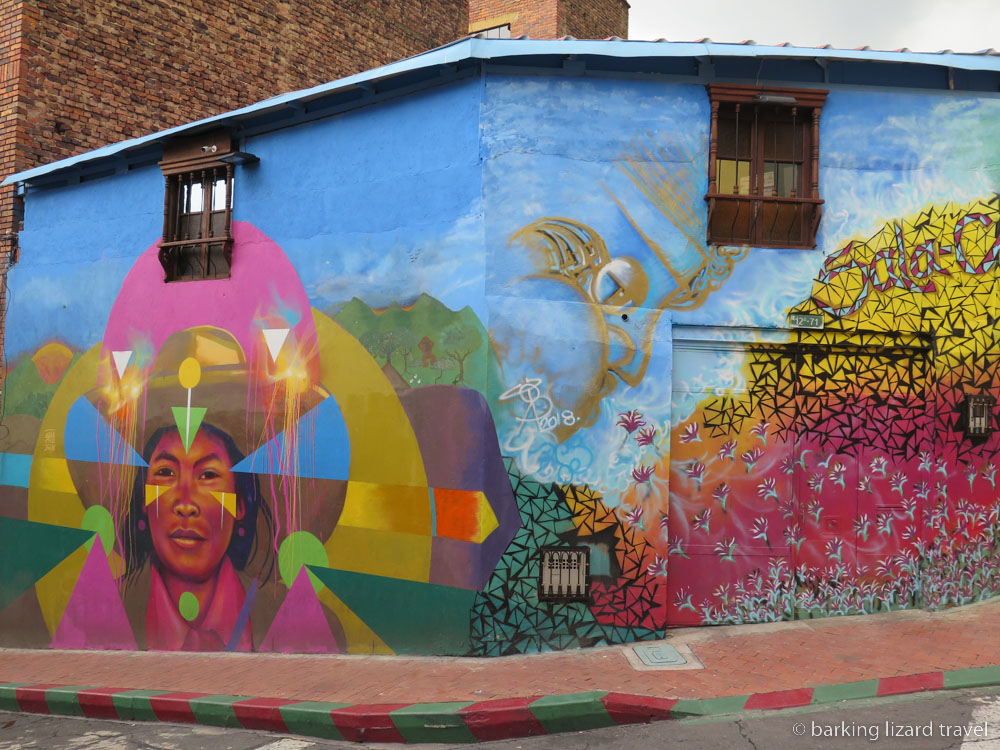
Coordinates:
(738,661)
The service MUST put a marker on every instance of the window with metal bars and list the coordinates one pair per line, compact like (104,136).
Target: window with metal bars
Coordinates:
(197,209)
(564,574)
(763,171)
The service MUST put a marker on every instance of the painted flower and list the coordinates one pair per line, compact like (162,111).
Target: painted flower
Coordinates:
(760,430)
(988,474)
(834,549)
(645,437)
(865,485)
(883,522)
(941,490)
(926,461)
(787,508)
(664,520)
(787,465)
(690,433)
(703,519)
(722,592)
(634,517)
(922,489)
(814,508)
(727,450)
(877,466)
(897,482)
(759,530)
(682,600)
(861,525)
(696,471)
(970,474)
(631,421)
(675,546)
(751,457)
(815,482)
(658,567)
(910,507)
(766,489)
(725,548)
(942,467)
(642,473)
(721,494)
(837,474)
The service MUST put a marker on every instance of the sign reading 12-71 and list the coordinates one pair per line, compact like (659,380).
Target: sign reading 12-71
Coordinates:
(802,320)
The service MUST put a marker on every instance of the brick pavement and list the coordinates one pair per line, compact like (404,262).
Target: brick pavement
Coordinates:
(738,660)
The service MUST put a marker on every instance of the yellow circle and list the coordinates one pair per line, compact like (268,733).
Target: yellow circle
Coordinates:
(189,373)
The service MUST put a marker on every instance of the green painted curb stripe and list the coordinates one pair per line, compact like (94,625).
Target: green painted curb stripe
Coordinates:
(432,722)
(133,705)
(65,700)
(312,718)
(573,712)
(8,695)
(845,691)
(709,706)
(216,710)
(975,677)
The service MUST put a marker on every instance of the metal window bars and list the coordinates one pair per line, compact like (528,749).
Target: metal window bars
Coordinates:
(564,574)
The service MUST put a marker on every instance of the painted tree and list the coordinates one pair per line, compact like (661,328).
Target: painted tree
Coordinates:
(443,365)
(459,341)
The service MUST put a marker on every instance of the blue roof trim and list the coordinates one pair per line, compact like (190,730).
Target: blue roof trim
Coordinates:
(501,49)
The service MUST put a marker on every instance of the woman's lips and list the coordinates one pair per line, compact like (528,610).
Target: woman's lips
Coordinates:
(186,537)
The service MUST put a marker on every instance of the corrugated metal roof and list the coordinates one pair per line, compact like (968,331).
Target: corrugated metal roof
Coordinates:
(510,50)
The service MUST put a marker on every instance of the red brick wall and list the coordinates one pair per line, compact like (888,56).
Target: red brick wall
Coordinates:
(593,19)
(103,70)
(551,19)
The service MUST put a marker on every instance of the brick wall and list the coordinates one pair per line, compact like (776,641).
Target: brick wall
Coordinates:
(104,70)
(551,19)
(593,19)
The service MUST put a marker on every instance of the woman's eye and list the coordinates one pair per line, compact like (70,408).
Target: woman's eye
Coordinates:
(163,471)
(209,474)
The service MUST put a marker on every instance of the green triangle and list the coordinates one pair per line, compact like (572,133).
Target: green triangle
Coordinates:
(181,418)
(30,550)
(411,617)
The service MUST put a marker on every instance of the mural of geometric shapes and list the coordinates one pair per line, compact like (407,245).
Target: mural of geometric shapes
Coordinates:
(459,564)
(15,469)
(28,551)
(388,508)
(410,617)
(319,449)
(300,625)
(89,437)
(508,618)
(52,474)
(188,419)
(383,446)
(383,553)
(275,339)
(461,514)
(95,617)
(360,639)
(121,360)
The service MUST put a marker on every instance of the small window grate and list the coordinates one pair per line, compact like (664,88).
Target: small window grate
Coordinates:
(565,574)
(979,417)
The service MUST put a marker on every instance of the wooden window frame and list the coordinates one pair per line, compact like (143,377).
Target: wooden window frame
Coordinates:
(209,250)
(752,209)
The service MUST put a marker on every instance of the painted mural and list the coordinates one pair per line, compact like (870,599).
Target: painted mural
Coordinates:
(362,440)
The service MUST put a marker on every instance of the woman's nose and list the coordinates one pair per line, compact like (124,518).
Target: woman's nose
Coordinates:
(184,504)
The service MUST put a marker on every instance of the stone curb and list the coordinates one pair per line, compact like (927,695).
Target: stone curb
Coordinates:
(456,722)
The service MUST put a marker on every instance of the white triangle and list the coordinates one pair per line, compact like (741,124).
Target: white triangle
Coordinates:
(121,361)
(275,338)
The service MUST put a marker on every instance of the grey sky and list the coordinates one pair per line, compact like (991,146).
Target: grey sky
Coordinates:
(921,25)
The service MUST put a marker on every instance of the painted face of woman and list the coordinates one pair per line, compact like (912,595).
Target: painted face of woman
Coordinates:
(191,505)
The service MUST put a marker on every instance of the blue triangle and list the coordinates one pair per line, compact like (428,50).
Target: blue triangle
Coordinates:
(89,437)
(323,448)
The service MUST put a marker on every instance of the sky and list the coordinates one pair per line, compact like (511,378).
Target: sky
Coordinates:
(921,25)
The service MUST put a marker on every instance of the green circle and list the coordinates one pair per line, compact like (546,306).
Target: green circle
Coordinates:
(301,548)
(187,605)
(97,519)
